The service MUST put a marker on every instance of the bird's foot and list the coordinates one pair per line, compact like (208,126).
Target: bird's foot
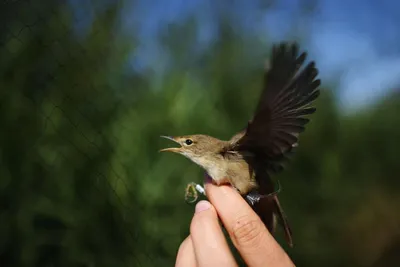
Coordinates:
(192,189)
(191,192)
(254,197)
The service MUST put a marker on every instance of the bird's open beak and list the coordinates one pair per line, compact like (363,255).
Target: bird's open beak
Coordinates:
(171,149)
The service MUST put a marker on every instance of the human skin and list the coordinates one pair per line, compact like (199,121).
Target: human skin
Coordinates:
(206,244)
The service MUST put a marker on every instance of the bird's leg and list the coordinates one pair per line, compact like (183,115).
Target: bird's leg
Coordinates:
(254,197)
(200,189)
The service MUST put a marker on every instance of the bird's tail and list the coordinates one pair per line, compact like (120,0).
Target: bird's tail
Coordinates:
(271,212)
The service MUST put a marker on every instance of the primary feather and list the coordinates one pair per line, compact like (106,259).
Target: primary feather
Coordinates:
(274,130)
(285,100)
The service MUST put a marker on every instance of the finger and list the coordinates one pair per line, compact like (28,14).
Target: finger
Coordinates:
(210,246)
(249,235)
(186,255)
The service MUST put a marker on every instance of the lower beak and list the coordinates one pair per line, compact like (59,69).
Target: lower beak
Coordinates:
(170,149)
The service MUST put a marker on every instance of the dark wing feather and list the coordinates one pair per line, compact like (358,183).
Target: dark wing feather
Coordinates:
(279,118)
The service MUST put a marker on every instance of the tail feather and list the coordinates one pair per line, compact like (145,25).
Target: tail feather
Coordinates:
(271,212)
(283,221)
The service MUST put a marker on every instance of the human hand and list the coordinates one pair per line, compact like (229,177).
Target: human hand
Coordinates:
(206,244)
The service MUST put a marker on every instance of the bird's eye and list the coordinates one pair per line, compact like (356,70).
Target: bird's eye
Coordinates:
(188,142)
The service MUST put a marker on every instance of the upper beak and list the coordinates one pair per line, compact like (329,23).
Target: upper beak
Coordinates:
(170,149)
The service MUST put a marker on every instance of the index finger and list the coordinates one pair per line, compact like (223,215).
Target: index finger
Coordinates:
(248,233)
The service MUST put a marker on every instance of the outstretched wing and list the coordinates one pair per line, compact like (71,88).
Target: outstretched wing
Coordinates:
(279,116)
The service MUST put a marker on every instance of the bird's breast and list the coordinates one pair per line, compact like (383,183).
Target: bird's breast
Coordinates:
(218,174)
(236,173)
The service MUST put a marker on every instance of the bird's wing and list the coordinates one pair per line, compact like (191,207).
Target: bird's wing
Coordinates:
(279,116)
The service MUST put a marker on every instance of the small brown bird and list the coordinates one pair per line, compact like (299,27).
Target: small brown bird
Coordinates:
(252,155)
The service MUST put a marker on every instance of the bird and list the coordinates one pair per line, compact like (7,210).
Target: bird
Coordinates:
(250,159)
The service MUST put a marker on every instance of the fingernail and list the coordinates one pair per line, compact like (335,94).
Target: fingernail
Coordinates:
(202,206)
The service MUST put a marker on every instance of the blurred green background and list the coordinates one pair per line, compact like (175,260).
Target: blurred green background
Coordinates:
(81,179)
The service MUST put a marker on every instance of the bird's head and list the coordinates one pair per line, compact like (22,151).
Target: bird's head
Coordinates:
(201,149)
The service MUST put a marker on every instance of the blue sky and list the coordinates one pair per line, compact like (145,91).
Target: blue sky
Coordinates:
(355,43)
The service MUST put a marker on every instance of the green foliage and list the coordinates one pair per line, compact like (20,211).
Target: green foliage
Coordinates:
(58,207)
(82,183)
